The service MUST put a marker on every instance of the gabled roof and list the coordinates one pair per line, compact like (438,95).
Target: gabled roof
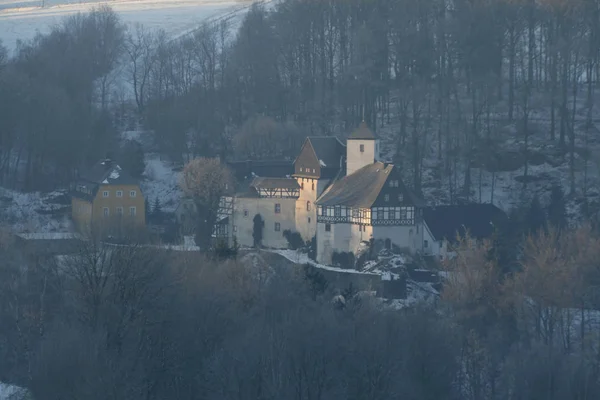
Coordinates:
(329,150)
(274,183)
(362,133)
(480,220)
(107,172)
(268,168)
(360,189)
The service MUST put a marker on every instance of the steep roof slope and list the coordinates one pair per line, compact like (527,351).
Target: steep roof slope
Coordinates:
(480,220)
(359,190)
(362,132)
(329,150)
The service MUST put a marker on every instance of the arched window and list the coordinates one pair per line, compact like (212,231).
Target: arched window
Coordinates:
(308,206)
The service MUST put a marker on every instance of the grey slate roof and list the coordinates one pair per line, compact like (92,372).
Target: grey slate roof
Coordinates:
(275,183)
(329,149)
(270,168)
(362,133)
(359,190)
(445,222)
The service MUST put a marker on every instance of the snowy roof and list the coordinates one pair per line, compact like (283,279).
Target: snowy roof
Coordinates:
(480,220)
(107,172)
(362,133)
(359,189)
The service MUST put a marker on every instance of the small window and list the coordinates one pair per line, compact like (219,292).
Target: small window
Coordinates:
(400,198)
(105,193)
(245,213)
(308,206)
(313,170)
(362,148)
(106,211)
(327,227)
(132,193)
(277,227)
(277,208)
(132,211)
(309,220)
(300,169)
(426,243)
(120,210)
(386,197)
(119,193)
(313,186)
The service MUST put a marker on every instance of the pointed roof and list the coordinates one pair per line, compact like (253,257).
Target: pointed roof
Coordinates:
(362,133)
(328,149)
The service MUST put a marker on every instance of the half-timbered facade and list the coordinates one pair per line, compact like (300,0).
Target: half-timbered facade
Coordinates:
(371,203)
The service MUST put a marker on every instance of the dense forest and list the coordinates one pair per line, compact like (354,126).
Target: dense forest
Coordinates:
(131,322)
(448,84)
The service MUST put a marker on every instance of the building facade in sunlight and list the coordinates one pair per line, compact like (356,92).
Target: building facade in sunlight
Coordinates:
(106,199)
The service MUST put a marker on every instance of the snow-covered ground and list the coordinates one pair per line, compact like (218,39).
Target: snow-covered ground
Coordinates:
(35,212)
(12,392)
(302,258)
(22,19)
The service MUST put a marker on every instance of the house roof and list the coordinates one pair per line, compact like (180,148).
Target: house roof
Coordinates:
(359,189)
(107,172)
(480,220)
(329,150)
(274,183)
(268,168)
(362,132)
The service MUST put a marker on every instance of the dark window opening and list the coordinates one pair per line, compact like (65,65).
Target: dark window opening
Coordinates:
(327,227)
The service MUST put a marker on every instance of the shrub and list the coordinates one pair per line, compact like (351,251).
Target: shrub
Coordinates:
(343,260)
(223,251)
(316,281)
(312,248)
(294,239)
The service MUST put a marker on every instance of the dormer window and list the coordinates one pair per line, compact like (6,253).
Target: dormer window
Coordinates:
(400,197)
(300,169)
(362,148)
(386,197)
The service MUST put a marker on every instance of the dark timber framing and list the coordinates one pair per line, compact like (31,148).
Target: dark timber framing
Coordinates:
(279,193)
(400,216)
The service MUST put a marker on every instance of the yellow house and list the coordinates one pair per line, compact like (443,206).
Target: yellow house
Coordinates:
(106,199)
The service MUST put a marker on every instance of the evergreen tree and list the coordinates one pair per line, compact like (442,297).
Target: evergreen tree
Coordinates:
(557,208)
(257,230)
(131,158)
(536,217)
(157,209)
(147,208)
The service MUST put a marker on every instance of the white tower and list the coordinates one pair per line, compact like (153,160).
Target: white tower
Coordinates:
(362,149)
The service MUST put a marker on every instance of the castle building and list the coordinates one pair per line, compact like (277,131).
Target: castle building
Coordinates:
(341,194)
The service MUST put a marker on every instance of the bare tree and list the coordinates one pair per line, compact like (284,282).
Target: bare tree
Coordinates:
(206,180)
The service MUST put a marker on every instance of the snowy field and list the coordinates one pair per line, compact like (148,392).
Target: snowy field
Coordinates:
(22,19)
